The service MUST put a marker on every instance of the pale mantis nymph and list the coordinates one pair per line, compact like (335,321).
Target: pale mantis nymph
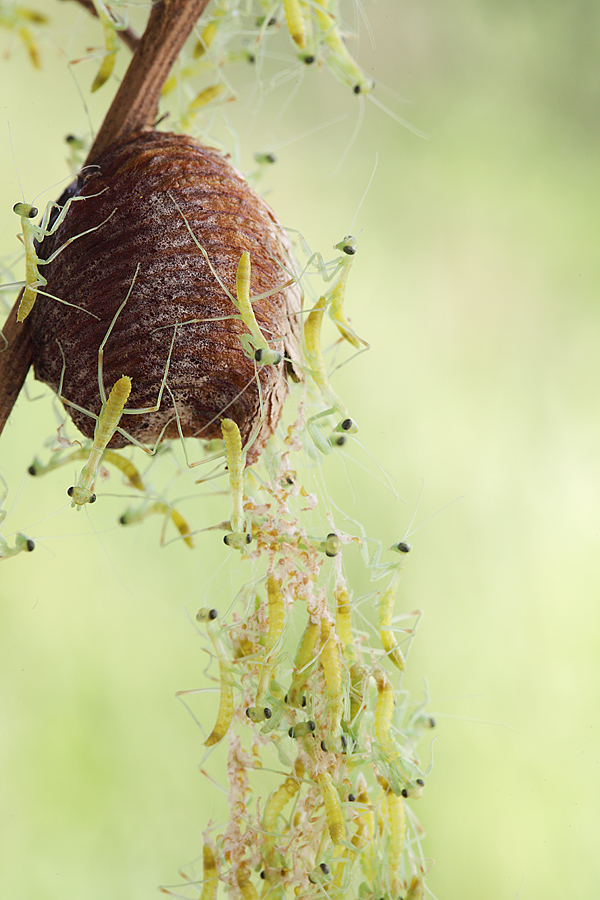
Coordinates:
(225,714)
(254,344)
(107,422)
(31,233)
(318,372)
(236,461)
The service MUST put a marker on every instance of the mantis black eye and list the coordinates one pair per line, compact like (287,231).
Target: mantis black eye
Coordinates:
(30,545)
(70,491)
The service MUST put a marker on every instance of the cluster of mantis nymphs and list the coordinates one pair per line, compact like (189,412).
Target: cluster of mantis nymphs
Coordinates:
(322,698)
(321,741)
(232,32)
(316,713)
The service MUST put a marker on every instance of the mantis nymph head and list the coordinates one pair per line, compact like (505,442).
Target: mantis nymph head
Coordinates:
(81,495)
(237,540)
(24,543)
(25,210)
(268,357)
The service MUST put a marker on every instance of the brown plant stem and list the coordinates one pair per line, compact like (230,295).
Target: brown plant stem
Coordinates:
(15,359)
(133,108)
(135,104)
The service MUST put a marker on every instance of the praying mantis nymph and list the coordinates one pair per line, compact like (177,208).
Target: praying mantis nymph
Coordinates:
(108,421)
(276,613)
(330,660)
(336,294)
(236,462)
(110,456)
(22,543)
(225,713)
(340,60)
(384,710)
(110,25)
(333,809)
(303,660)
(31,233)
(344,622)
(276,620)
(276,803)
(399,769)
(386,609)
(113,407)
(133,516)
(17,18)
(318,370)
(255,344)
(397,823)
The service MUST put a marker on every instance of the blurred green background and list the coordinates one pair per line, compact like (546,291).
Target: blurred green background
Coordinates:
(476,282)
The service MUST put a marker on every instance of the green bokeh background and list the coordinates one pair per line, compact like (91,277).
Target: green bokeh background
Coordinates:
(477,285)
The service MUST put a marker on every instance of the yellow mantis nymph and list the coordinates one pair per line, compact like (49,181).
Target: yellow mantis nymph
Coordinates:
(396,815)
(344,622)
(275,806)
(398,770)
(318,371)
(330,660)
(133,516)
(16,17)
(225,714)
(340,60)
(107,422)
(31,233)
(303,661)
(110,26)
(386,610)
(276,619)
(336,294)
(333,809)
(254,344)
(236,462)
(110,456)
